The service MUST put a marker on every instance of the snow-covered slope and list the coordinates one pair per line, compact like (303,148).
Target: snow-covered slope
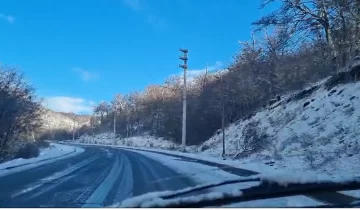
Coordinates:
(64,121)
(317,129)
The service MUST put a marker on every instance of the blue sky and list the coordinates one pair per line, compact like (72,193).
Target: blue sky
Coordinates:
(77,53)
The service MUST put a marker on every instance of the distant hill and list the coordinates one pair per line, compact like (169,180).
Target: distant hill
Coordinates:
(62,121)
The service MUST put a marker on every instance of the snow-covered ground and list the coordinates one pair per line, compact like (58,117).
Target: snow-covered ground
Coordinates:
(137,141)
(318,133)
(47,155)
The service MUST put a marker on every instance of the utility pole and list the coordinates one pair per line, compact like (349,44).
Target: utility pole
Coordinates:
(205,78)
(184,66)
(223,118)
(114,122)
(223,101)
(114,127)
(74,128)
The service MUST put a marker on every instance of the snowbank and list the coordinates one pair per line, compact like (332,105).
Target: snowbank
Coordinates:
(147,141)
(103,138)
(137,141)
(47,155)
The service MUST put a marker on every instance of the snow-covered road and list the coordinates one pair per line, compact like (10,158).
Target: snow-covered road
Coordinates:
(98,177)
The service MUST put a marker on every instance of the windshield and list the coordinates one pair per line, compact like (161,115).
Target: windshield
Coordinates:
(179,103)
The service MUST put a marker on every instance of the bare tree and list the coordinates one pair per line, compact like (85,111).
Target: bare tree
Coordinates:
(303,18)
(117,106)
(102,109)
(19,108)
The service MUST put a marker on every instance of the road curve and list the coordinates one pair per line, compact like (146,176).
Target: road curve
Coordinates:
(96,178)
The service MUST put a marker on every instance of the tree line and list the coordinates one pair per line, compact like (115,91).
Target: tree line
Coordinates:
(20,112)
(298,43)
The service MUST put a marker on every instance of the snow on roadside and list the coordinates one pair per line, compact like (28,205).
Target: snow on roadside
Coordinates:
(47,155)
(354,193)
(145,141)
(204,174)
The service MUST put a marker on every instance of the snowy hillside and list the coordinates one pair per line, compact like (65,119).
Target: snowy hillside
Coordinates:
(317,129)
(58,120)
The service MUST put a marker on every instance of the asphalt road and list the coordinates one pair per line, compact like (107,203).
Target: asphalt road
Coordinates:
(96,178)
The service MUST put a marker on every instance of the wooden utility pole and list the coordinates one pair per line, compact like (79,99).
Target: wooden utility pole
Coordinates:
(74,128)
(114,122)
(223,118)
(223,101)
(184,66)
